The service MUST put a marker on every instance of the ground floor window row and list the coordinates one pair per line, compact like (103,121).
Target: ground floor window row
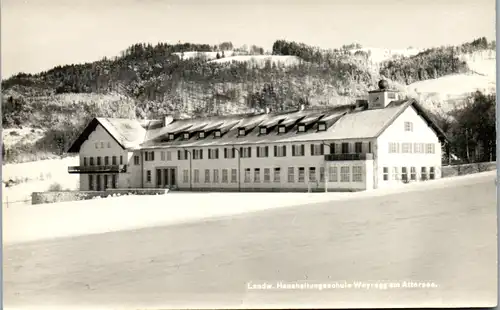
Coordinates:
(99,182)
(409,173)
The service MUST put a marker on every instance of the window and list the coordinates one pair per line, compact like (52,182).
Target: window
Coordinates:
(99,161)
(386,173)
(369,147)
(169,155)
(234,176)
(109,145)
(85,161)
(395,173)
(148,176)
(113,160)
(317,149)
(91,161)
(217,134)
(106,160)
(291,174)
(149,156)
(162,155)
(302,172)
(263,130)
(229,152)
(201,135)
(321,127)
(423,173)
(332,174)
(429,148)
(185,174)
(121,160)
(113,180)
(96,145)
(393,147)
(358,147)
(267,175)
(171,136)
(357,174)
(102,144)
(241,132)
(182,154)
(213,153)
(225,176)
(418,148)
(197,154)
(247,175)
(256,175)
(280,151)
(406,147)
(312,174)
(186,135)
(301,128)
(91,182)
(281,129)
(332,148)
(216,175)
(345,148)
(413,173)
(277,175)
(432,175)
(322,174)
(196,176)
(136,160)
(408,126)
(246,152)
(344,174)
(262,151)
(391,95)
(404,174)
(207,175)
(298,150)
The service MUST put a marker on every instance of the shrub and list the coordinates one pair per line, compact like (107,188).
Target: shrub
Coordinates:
(55,187)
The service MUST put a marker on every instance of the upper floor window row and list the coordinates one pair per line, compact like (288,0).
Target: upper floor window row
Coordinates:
(102,161)
(412,148)
(102,145)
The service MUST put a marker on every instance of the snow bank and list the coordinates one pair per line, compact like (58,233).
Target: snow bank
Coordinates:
(29,223)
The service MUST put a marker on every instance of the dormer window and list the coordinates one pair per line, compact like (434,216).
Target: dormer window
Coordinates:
(171,136)
(201,135)
(281,129)
(186,135)
(263,130)
(241,132)
(321,127)
(302,128)
(217,134)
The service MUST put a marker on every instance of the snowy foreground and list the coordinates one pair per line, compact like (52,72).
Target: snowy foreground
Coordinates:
(30,223)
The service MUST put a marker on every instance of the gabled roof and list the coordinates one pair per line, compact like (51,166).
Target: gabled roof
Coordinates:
(128,133)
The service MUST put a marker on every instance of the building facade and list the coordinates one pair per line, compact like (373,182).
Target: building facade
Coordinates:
(382,142)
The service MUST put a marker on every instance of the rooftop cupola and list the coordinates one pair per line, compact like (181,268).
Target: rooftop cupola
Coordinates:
(381,97)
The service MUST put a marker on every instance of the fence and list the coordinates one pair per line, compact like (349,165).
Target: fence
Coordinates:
(6,202)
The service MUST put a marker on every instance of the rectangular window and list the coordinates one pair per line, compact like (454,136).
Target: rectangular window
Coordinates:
(332,148)
(332,174)
(197,154)
(312,174)
(207,175)
(317,149)
(121,160)
(196,176)
(182,154)
(393,147)
(406,148)
(298,150)
(85,161)
(99,161)
(216,175)
(280,151)
(413,173)
(395,173)
(386,173)
(267,175)
(225,178)
(91,182)
(136,160)
(404,174)
(358,147)
(430,148)
(96,145)
(102,144)
(357,174)
(345,174)
(277,175)
(234,176)
(113,180)
(169,155)
(302,172)
(162,155)
(291,174)
(423,173)
(106,160)
(113,160)
(148,176)
(229,152)
(418,148)
(256,176)
(432,175)
(408,126)
(246,152)
(262,151)
(91,159)
(322,174)
(247,175)
(213,153)
(185,176)
(345,148)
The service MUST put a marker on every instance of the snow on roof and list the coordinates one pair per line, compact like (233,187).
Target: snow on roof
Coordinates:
(128,132)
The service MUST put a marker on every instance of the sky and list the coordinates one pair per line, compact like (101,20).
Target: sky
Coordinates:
(37,35)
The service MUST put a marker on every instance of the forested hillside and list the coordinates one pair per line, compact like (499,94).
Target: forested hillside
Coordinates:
(148,81)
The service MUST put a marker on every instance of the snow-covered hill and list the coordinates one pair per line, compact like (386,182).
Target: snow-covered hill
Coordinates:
(261,59)
(205,55)
(378,55)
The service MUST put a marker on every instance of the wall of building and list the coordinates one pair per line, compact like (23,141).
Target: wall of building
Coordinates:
(396,133)
(270,162)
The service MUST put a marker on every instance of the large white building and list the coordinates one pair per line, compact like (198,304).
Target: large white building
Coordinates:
(381,142)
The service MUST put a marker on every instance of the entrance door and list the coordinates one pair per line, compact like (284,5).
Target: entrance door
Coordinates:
(166,178)
(98,182)
(105,181)
(158,178)
(173,180)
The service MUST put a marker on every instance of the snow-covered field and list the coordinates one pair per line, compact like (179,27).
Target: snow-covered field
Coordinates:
(132,212)
(261,59)
(378,55)
(206,55)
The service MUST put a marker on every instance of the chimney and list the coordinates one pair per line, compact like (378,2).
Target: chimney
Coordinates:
(167,120)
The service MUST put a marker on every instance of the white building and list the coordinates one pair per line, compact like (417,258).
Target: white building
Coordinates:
(382,142)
